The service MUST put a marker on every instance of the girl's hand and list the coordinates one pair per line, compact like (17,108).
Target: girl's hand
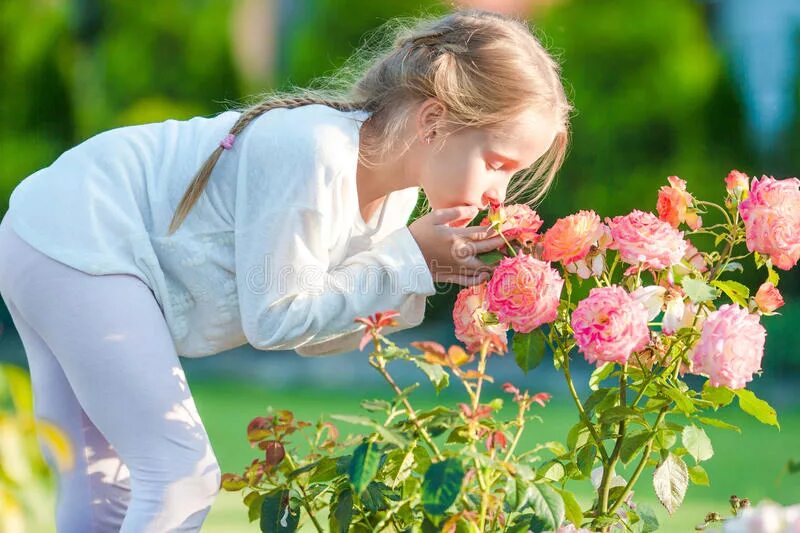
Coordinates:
(451,251)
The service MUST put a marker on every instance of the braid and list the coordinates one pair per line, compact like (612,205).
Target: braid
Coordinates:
(198,184)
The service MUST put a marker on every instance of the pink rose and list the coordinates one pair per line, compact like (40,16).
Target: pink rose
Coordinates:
(692,259)
(675,204)
(525,292)
(643,239)
(517,222)
(730,348)
(771,215)
(474,324)
(768,298)
(737,183)
(572,237)
(610,325)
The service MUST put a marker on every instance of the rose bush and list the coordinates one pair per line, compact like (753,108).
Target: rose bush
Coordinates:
(674,311)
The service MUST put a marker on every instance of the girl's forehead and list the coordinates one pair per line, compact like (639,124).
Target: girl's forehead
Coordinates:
(530,133)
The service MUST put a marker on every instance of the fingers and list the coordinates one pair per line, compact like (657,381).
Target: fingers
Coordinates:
(452,214)
(487,245)
(476,232)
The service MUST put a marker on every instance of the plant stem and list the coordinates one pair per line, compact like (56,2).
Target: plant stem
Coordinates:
(723,211)
(582,413)
(642,462)
(604,488)
(380,364)
(305,497)
(481,369)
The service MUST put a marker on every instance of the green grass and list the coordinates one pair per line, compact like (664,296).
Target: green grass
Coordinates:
(748,465)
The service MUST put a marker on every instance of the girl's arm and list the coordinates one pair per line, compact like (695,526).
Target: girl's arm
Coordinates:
(292,298)
(288,189)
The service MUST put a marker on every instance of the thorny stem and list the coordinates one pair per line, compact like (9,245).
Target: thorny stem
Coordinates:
(379,364)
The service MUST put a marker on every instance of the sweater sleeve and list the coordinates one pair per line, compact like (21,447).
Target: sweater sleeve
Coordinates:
(290,295)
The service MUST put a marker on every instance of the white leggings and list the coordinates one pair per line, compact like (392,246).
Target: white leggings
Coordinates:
(104,369)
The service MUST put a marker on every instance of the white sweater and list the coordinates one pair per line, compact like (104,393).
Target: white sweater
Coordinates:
(275,252)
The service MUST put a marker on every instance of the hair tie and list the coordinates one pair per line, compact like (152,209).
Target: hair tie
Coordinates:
(227,142)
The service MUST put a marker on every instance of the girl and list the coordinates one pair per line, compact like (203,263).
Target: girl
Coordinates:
(121,256)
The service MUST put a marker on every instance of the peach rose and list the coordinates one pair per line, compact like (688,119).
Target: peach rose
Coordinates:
(517,222)
(474,323)
(768,298)
(610,325)
(572,237)
(737,183)
(525,292)
(595,261)
(643,239)
(675,204)
(771,215)
(730,347)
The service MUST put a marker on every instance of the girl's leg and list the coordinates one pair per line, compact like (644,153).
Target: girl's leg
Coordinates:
(110,338)
(93,495)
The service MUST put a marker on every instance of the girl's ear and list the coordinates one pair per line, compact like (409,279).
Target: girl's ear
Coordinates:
(429,117)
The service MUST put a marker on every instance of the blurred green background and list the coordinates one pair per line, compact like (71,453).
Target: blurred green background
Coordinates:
(685,88)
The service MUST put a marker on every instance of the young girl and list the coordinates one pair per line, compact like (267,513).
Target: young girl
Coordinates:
(121,256)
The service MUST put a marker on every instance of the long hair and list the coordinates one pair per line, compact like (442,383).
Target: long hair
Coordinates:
(484,67)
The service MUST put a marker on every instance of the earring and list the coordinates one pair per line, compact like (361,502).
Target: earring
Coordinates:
(429,138)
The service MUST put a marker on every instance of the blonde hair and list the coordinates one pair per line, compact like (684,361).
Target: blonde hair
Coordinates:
(484,67)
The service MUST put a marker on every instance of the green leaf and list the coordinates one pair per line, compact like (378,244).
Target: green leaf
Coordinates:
(594,399)
(737,292)
(528,349)
(599,374)
(388,434)
(670,481)
(277,514)
(572,509)
(547,505)
(718,423)
(585,459)
(697,443)
(719,396)
(364,465)
(490,258)
(683,402)
(697,290)
(341,511)
(438,376)
(441,486)
(374,497)
(757,407)
(648,516)
(773,276)
(698,475)
(376,405)
(254,502)
(618,414)
(631,445)
(552,470)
